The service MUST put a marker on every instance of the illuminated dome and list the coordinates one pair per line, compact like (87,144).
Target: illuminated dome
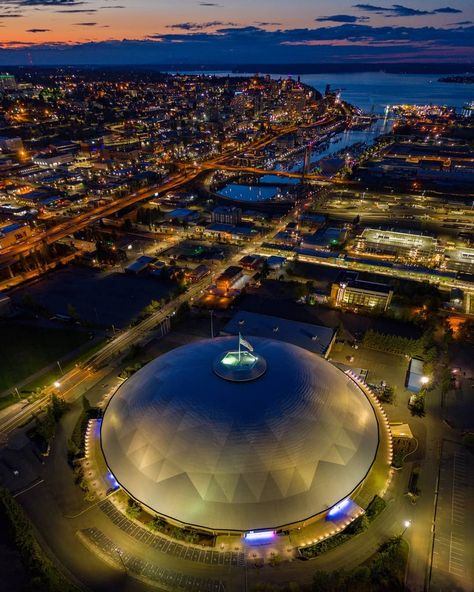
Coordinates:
(206,441)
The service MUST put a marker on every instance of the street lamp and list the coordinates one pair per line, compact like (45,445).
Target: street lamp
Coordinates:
(57,384)
(425,379)
(406,524)
(120,555)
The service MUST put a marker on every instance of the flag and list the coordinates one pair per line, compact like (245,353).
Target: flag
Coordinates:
(245,343)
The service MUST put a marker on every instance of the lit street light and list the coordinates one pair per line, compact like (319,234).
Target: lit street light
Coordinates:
(425,379)
(120,555)
(406,524)
(57,384)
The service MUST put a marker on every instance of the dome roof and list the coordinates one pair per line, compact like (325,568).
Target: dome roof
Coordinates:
(225,454)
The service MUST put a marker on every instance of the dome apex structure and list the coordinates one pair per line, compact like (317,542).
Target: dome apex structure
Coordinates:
(197,442)
(240,365)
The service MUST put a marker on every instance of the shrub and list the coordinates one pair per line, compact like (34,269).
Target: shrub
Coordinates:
(376,506)
(133,509)
(43,574)
(158,524)
(468,441)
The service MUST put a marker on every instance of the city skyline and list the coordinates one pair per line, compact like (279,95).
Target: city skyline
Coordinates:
(39,32)
(237,303)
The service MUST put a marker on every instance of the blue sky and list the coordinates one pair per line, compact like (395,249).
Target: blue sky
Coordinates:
(235,31)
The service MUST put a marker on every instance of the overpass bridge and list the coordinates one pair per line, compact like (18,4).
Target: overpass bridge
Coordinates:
(288,174)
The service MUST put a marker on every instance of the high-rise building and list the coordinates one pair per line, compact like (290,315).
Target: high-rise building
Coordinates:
(240,103)
(297,100)
(11,144)
(350,292)
(7,82)
(226,215)
(468,110)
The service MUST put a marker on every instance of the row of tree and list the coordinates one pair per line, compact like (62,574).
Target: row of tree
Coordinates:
(46,425)
(394,344)
(385,572)
(149,216)
(42,573)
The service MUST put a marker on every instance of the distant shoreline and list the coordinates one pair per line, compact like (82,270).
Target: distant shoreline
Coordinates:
(452,69)
(457,79)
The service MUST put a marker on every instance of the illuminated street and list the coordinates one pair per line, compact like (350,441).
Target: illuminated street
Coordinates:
(236,297)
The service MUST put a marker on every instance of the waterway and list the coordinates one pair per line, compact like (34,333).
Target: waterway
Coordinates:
(373,91)
(338,142)
(250,193)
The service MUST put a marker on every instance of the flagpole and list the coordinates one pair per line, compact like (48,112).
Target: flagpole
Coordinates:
(239,346)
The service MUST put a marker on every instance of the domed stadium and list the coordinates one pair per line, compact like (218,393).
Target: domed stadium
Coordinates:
(228,438)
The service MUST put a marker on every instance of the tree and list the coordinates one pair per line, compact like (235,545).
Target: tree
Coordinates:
(322,581)
(388,395)
(417,404)
(468,441)
(158,524)
(466,331)
(264,270)
(72,312)
(58,407)
(133,509)
(359,579)
(299,290)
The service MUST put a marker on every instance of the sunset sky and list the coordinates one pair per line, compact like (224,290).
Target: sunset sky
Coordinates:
(231,31)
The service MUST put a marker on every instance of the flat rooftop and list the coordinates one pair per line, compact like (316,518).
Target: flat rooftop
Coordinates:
(370,286)
(462,255)
(314,338)
(402,239)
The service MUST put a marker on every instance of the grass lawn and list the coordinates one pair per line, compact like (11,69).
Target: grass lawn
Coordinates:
(26,349)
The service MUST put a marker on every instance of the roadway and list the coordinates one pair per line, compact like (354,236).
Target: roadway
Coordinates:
(141,332)
(279,173)
(42,501)
(185,175)
(10,254)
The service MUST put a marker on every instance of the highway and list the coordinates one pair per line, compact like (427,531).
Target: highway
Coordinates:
(10,254)
(291,175)
(78,375)
(186,173)
(92,369)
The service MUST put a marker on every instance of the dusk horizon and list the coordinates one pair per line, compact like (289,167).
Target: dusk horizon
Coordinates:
(77,32)
(236,295)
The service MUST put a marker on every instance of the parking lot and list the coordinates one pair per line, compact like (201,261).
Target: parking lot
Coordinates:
(452,566)
(145,569)
(165,545)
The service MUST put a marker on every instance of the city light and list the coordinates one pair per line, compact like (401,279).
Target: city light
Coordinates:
(146,206)
(338,508)
(262,535)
